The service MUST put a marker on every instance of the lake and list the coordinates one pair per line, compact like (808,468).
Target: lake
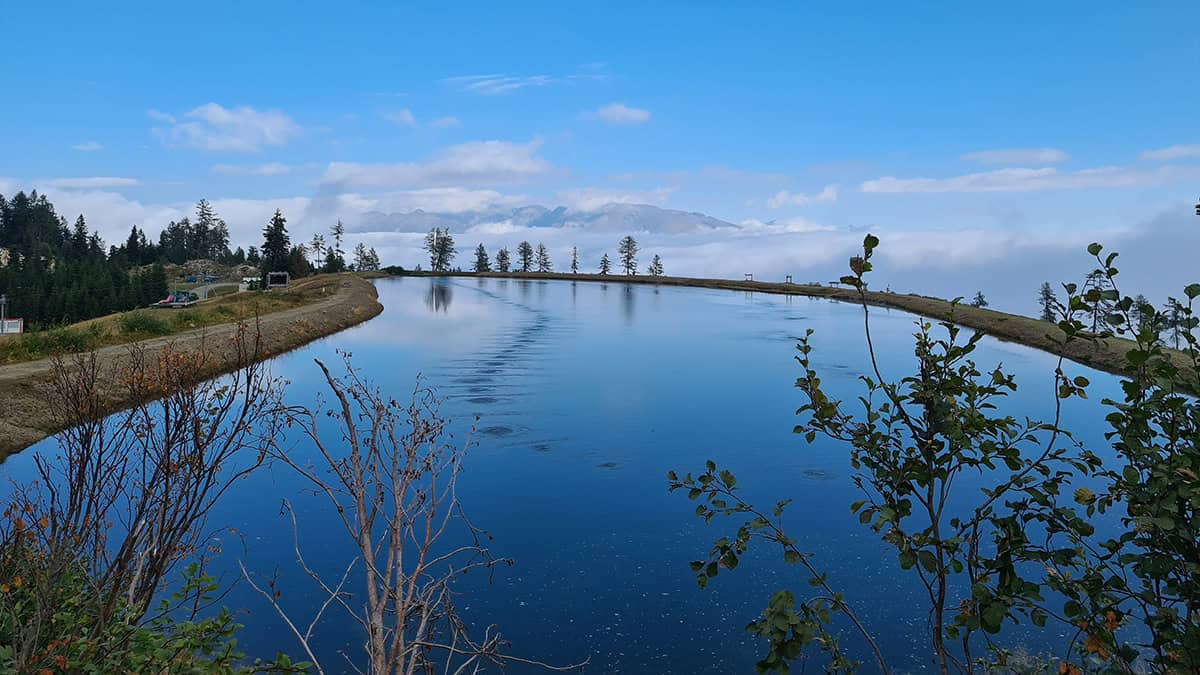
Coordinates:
(587,394)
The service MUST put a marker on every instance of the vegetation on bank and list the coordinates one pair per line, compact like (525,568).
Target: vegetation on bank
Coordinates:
(140,324)
(1104,552)
(55,275)
(104,557)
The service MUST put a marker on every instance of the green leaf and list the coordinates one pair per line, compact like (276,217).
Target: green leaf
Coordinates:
(1094,248)
(1192,291)
(907,559)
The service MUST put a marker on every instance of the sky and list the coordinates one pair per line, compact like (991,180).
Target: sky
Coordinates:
(985,143)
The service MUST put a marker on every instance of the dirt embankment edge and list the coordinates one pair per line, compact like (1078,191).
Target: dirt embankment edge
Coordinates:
(25,419)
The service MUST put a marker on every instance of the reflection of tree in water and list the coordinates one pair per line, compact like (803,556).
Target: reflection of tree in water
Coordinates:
(627,302)
(523,286)
(439,296)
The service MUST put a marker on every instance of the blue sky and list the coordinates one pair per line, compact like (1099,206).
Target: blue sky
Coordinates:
(959,130)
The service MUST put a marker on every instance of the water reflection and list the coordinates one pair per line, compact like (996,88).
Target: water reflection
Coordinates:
(627,303)
(440,295)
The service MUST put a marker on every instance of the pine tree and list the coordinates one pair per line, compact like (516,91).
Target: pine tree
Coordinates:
(605,265)
(543,259)
(627,250)
(277,246)
(574,260)
(252,256)
(1048,301)
(979,300)
(656,266)
(502,260)
(525,254)
(482,264)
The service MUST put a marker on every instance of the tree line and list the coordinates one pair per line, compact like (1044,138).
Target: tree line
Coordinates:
(439,244)
(55,273)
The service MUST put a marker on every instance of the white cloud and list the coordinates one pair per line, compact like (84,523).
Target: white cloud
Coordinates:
(499,83)
(89,146)
(589,198)
(791,225)
(1172,152)
(785,198)
(445,122)
(269,169)
(443,200)
(214,127)
(619,113)
(1018,156)
(1029,180)
(403,116)
(88,183)
(477,162)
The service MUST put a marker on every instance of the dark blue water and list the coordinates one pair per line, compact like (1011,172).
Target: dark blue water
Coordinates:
(587,394)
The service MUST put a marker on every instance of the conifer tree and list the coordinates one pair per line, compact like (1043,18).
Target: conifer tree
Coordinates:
(1047,300)
(317,246)
(482,264)
(574,260)
(502,260)
(656,266)
(979,300)
(627,250)
(440,246)
(277,246)
(525,255)
(543,259)
(605,265)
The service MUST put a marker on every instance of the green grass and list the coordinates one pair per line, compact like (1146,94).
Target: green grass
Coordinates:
(140,324)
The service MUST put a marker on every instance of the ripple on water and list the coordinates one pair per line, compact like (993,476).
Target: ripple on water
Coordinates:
(497,431)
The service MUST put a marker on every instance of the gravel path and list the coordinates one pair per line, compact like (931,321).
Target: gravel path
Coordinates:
(25,421)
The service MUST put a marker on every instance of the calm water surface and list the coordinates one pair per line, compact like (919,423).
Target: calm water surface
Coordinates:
(587,395)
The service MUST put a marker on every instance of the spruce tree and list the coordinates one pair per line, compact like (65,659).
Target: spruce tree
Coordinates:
(574,260)
(543,259)
(502,260)
(605,265)
(482,264)
(277,246)
(525,254)
(627,250)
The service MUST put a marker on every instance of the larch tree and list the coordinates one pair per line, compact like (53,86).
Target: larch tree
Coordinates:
(605,265)
(627,250)
(574,260)
(440,246)
(317,247)
(1048,301)
(502,261)
(482,264)
(525,256)
(543,259)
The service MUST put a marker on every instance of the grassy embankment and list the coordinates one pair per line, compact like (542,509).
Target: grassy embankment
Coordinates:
(141,324)
(1107,354)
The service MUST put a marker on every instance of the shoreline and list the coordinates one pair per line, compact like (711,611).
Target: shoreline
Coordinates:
(25,421)
(1107,355)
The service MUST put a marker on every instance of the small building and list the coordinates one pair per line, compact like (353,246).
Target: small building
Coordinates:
(278,280)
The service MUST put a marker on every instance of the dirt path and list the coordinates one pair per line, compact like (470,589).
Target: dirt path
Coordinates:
(25,421)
